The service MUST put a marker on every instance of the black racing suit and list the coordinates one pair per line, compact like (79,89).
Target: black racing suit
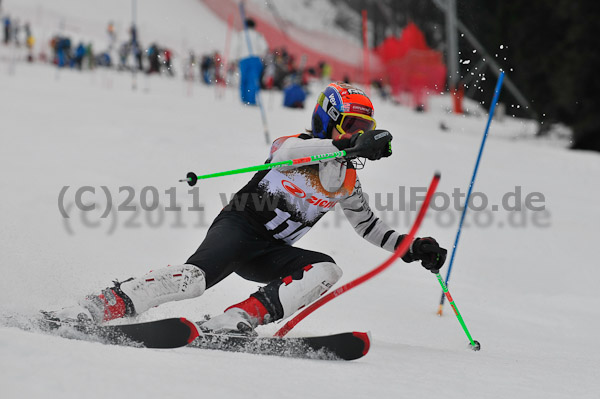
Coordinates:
(253,235)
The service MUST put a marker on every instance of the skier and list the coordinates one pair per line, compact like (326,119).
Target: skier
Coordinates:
(253,235)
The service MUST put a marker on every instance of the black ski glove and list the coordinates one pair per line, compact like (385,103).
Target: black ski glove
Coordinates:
(373,145)
(429,252)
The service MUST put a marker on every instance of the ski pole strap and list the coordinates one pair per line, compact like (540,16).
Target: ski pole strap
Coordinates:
(192,178)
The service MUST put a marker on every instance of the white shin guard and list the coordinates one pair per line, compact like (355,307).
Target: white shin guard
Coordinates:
(173,283)
(316,280)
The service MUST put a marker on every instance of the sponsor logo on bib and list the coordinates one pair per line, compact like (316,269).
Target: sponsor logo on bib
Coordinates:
(293,189)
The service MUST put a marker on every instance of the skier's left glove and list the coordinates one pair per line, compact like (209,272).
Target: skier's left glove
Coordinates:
(429,252)
(373,145)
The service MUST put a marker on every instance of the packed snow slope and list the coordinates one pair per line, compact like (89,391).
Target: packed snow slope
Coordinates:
(525,282)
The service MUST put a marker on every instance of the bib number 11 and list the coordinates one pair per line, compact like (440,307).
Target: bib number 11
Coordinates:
(289,234)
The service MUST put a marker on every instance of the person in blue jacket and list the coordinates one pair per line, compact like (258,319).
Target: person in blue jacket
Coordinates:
(251,46)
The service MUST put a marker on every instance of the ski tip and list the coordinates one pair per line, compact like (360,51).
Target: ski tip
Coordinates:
(438,174)
(366,338)
(194,333)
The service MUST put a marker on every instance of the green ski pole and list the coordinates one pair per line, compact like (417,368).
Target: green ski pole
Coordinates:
(192,178)
(475,345)
(373,139)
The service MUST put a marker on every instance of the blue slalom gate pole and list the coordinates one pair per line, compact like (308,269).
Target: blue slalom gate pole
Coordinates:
(258,97)
(466,206)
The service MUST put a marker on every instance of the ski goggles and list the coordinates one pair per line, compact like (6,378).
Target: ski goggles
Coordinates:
(352,123)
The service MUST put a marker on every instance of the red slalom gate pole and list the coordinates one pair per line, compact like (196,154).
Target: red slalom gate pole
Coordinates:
(400,251)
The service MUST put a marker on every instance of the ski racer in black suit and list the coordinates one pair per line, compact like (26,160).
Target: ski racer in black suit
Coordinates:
(254,234)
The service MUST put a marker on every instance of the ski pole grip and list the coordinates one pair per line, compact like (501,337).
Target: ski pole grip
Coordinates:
(351,154)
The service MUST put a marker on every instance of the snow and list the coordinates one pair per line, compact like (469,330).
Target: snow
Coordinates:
(316,15)
(527,293)
(319,15)
(180,25)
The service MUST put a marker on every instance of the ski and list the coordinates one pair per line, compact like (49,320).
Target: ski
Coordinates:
(179,332)
(343,346)
(160,334)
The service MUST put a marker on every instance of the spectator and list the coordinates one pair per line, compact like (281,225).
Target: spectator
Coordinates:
(382,89)
(62,50)
(77,60)
(325,70)
(153,58)
(16,27)
(269,71)
(29,42)
(206,69)
(124,51)
(188,73)
(112,36)
(89,54)
(251,46)
(136,48)
(219,76)
(168,58)
(294,96)
(7,30)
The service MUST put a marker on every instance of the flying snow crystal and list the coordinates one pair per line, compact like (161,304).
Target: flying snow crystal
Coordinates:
(501,46)
(466,62)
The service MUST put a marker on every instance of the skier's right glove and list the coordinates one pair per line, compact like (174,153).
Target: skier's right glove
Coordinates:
(373,145)
(429,252)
